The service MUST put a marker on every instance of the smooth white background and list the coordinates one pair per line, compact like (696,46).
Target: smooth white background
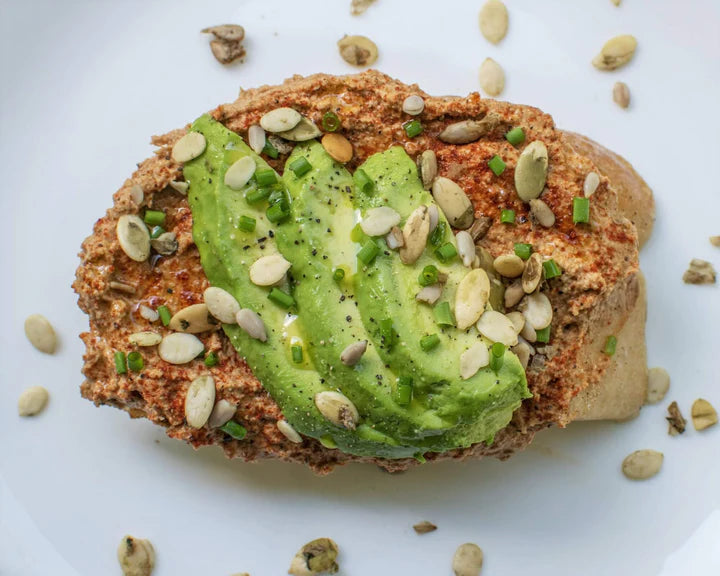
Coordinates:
(83,85)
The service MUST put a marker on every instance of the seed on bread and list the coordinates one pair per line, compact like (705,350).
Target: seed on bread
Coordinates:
(427,165)
(339,147)
(531,171)
(221,304)
(289,432)
(497,327)
(532,274)
(467,131)
(199,401)
(222,412)
(239,173)
(537,310)
(256,138)
(471,298)
(305,130)
(513,294)
(509,265)
(541,213)
(133,237)
(280,119)
(413,105)
(454,203)
(592,181)
(188,147)
(193,319)
(465,247)
(166,244)
(249,321)
(472,359)
(145,338)
(180,186)
(179,348)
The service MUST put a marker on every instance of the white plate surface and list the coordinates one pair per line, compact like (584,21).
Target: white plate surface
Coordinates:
(83,85)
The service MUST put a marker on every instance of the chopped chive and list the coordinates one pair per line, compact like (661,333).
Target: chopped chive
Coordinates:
(388,335)
(281,298)
(497,356)
(338,274)
(610,345)
(211,359)
(516,136)
(330,121)
(581,210)
(297,354)
(443,315)
(120,365)
(368,252)
(507,216)
(234,429)
(276,213)
(135,361)
(301,166)
(270,150)
(403,390)
(165,315)
(257,195)
(247,223)
(265,177)
(437,236)
(551,269)
(543,335)
(154,217)
(429,342)
(357,234)
(364,182)
(279,197)
(428,276)
(497,165)
(446,252)
(157,231)
(523,250)
(412,128)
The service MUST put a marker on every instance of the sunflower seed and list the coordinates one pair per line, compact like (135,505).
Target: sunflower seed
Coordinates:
(699,272)
(498,328)
(434,214)
(467,131)
(122,287)
(522,351)
(533,273)
(136,556)
(179,186)
(541,213)
(715,241)
(338,147)
(415,235)
(133,237)
(616,53)
(537,310)
(305,130)
(282,146)
(289,432)
(352,353)
(466,248)
(337,408)
(703,414)
(40,333)
(316,557)
(427,164)
(221,304)
(358,7)
(658,385)
(199,401)
(517,320)
(642,464)
(193,320)
(240,172)
(269,270)
(676,421)
(592,181)
(454,203)
(188,147)
(148,313)
(221,413)
(280,120)
(137,194)
(145,338)
(424,527)
(394,239)
(226,52)
(492,77)
(531,171)
(513,294)
(252,324)
(413,105)
(474,358)
(226,32)
(509,265)
(528,332)
(178,348)
(471,298)
(256,138)
(358,50)
(493,21)
(32,401)
(480,227)
(165,244)
(468,560)
(430,294)
(621,94)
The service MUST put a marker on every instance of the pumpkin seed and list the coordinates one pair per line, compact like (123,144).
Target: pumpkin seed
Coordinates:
(137,194)
(480,227)
(658,385)
(222,413)
(221,304)
(394,239)
(193,320)
(699,272)
(338,147)
(424,527)
(715,241)
(703,414)
(522,351)
(454,203)
(179,348)
(434,214)
(226,52)
(492,77)
(40,333)
(616,52)
(352,353)
(531,171)
(513,294)
(466,248)
(467,131)
(226,32)
(145,338)
(379,221)
(240,172)
(358,50)
(188,147)
(32,401)
(358,7)
(517,320)
(179,186)
(289,432)
(305,130)
(621,94)
(133,237)
(541,213)
(199,401)
(136,556)
(533,273)
(592,181)
(252,324)
(280,120)
(615,2)
(537,310)
(642,464)
(474,358)
(413,105)
(471,298)
(282,146)
(337,408)
(256,138)
(427,165)
(430,294)
(675,419)
(148,313)
(498,328)
(269,270)
(528,332)
(165,244)
(316,557)
(493,21)
(415,235)
(468,560)
(509,265)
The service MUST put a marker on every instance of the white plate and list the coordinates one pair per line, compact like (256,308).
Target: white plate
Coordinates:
(85,84)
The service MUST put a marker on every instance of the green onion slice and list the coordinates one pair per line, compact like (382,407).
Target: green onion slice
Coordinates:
(497,165)
(282,299)
(429,342)
(330,121)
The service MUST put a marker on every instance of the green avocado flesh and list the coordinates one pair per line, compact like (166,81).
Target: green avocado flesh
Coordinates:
(329,314)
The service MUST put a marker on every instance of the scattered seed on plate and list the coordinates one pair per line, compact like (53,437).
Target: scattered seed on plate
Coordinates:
(676,422)
(467,131)
(427,165)
(193,319)
(221,304)
(353,352)
(256,138)
(280,120)
(592,181)
(339,147)
(32,401)
(424,527)
(188,147)
(468,560)
(621,94)
(616,52)
(145,338)
(454,203)
(358,50)
(379,221)
(249,321)
(133,237)
(658,385)
(226,32)
(531,171)
(199,401)
(699,272)
(337,408)
(413,105)
(703,414)
(493,21)
(715,241)
(269,270)
(240,172)
(136,556)
(178,348)
(642,464)
(492,77)
(541,213)
(358,7)
(179,186)
(316,557)
(40,333)
(226,52)
(289,432)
